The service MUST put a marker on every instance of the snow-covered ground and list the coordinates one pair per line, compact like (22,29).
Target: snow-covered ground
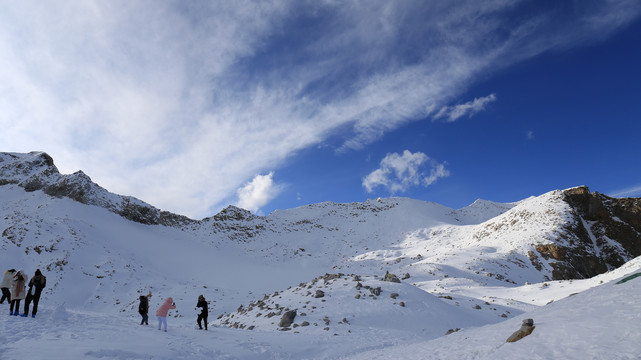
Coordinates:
(599,323)
(465,270)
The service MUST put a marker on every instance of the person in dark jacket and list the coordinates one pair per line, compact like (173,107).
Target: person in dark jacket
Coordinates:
(143,308)
(204,312)
(36,284)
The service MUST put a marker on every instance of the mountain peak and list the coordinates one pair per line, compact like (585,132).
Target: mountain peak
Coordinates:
(232,212)
(36,171)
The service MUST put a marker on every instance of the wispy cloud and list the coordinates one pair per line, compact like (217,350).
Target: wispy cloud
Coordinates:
(258,192)
(530,135)
(180,103)
(470,108)
(634,191)
(399,172)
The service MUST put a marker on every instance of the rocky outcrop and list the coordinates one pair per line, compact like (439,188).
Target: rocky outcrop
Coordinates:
(615,219)
(391,277)
(604,234)
(237,224)
(570,262)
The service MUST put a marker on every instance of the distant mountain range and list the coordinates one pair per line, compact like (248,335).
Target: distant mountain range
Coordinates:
(570,234)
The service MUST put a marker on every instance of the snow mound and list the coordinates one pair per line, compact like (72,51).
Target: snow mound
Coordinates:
(60,314)
(354,305)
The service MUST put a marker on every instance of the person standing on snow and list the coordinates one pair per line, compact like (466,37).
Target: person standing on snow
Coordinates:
(143,308)
(163,310)
(5,284)
(204,311)
(38,281)
(17,292)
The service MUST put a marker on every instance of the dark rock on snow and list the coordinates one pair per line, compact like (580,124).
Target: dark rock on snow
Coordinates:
(391,278)
(287,319)
(526,329)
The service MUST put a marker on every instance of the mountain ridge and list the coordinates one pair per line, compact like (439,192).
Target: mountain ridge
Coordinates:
(37,171)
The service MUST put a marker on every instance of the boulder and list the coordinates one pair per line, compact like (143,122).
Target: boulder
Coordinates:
(287,319)
(526,329)
(391,277)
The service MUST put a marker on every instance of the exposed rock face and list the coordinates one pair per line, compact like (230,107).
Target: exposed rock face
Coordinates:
(604,234)
(616,219)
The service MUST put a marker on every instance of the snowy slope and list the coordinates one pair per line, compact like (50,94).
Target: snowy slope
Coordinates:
(97,260)
(598,323)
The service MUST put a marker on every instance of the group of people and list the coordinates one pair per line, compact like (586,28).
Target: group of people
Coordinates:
(163,310)
(14,289)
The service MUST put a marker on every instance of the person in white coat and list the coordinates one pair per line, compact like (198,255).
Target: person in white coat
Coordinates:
(5,284)
(18,291)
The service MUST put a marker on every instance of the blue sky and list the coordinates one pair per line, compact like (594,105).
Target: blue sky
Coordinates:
(271,105)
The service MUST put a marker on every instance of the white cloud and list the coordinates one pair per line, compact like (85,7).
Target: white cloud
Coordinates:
(397,173)
(179,103)
(258,192)
(530,135)
(634,191)
(453,113)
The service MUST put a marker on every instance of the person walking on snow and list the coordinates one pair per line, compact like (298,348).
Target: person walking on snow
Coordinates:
(38,281)
(204,311)
(5,284)
(143,308)
(17,292)
(163,310)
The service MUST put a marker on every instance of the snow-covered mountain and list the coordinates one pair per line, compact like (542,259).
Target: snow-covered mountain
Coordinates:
(322,265)
(36,171)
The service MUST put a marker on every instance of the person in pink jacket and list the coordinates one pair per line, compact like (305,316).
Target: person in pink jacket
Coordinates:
(163,310)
